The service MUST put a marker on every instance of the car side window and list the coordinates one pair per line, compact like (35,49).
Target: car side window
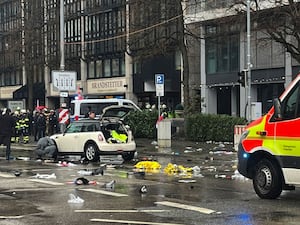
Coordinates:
(290,106)
(74,128)
(90,127)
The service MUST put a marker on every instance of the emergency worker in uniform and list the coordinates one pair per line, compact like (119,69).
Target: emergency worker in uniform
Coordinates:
(24,126)
(17,130)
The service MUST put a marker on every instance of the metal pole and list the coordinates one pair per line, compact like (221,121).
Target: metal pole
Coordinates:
(249,60)
(62,53)
(62,38)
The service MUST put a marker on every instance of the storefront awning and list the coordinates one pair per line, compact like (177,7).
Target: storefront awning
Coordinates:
(22,92)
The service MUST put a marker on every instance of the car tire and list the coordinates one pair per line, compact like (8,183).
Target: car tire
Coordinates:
(91,152)
(267,180)
(127,156)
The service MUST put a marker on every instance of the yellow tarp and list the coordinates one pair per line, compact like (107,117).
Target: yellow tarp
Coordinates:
(148,166)
(172,169)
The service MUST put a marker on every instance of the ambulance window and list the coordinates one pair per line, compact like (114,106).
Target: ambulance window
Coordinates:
(291,104)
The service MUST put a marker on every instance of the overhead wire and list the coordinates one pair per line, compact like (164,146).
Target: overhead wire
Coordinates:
(124,35)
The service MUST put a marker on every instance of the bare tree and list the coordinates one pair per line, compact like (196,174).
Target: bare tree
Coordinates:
(280,19)
(157,28)
(34,50)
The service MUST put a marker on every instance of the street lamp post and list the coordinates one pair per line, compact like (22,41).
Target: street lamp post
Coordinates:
(249,60)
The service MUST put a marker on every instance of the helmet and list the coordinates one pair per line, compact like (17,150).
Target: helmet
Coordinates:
(23,110)
(16,112)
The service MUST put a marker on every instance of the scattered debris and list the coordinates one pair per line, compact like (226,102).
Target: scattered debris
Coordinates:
(91,172)
(65,164)
(238,176)
(154,143)
(17,173)
(85,172)
(147,166)
(110,185)
(187,181)
(45,176)
(143,189)
(174,169)
(75,199)
(23,158)
(82,181)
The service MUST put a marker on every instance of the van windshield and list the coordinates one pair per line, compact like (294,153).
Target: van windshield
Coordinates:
(85,108)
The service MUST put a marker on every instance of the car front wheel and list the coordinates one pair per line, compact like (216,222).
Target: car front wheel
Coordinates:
(91,152)
(267,180)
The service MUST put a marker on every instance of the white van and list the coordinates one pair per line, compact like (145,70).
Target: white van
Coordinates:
(81,108)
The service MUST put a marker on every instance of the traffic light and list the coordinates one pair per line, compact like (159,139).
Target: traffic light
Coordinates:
(242,78)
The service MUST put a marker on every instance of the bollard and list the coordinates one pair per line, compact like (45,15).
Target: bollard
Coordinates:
(164,133)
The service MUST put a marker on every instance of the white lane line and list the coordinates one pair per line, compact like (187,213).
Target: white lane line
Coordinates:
(6,175)
(104,192)
(11,217)
(187,207)
(132,222)
(120,210)
(34,189)
(46,182)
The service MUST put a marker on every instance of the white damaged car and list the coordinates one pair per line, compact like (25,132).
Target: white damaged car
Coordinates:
(93,138)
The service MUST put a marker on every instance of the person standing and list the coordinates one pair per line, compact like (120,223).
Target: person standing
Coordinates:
(34,125)
(7,122)
(53,121)
(41,126)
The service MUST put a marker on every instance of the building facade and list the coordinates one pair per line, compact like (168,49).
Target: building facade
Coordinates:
(102,45)
(221,52)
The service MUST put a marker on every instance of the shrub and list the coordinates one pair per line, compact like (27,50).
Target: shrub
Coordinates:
(208,127)
(143,124)
(198,127)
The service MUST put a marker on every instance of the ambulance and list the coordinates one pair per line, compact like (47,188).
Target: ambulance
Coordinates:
(269,148)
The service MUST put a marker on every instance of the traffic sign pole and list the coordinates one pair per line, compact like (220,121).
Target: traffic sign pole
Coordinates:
(159,85)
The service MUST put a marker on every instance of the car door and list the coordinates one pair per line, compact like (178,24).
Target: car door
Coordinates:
(69,141)
(287,136)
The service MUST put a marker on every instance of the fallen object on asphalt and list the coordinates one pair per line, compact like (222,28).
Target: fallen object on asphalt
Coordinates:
(45,176)
(110,185)
(148,166)
(75,199)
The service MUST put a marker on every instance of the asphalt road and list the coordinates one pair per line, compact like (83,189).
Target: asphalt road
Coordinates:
(215,194)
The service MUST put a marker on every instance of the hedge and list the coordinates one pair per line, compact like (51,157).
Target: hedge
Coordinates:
(208,127)
(198,127)
(142,124)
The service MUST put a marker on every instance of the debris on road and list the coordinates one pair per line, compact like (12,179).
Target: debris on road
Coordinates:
(148,166)
(75,199)
(45,176)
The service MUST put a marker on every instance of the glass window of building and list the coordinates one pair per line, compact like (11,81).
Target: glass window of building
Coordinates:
(107,68)
(123,67)
(99,69)
(222,49)
(91,69)
(115,67)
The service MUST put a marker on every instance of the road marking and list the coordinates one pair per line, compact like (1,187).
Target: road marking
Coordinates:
(46,182)
(34,189)
(132,222)
(11,217)
(104,192)
(187,207)
(120,210)
(6,175)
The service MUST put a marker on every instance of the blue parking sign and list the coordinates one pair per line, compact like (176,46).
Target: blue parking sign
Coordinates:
(159,79)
